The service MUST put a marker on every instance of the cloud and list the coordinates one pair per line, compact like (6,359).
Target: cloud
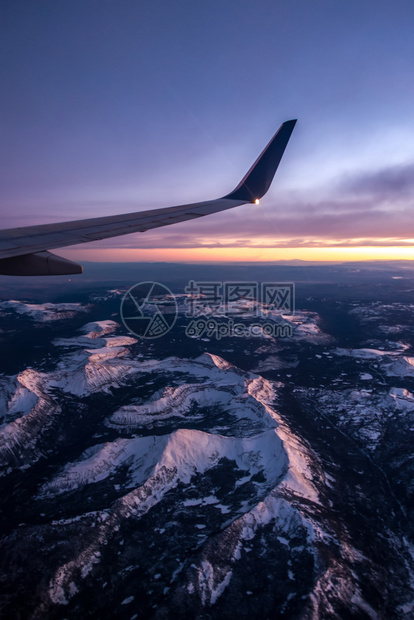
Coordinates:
(393,182)
(364,209)
(306,224)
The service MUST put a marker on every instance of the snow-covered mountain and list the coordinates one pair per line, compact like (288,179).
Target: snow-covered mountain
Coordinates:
(43,312)
(173,480)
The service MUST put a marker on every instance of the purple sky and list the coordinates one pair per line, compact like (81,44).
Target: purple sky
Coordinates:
(114,106)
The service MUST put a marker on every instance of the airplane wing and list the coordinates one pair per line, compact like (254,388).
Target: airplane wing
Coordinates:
(25,251)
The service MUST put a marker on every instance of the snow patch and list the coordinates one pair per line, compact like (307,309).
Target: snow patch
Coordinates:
(44,312)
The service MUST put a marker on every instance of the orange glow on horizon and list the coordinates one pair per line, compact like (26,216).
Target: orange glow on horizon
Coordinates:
(249,254)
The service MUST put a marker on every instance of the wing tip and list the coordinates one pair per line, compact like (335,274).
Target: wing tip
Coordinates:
(258,179)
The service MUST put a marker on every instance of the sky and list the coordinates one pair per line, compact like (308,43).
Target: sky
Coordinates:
(114,106)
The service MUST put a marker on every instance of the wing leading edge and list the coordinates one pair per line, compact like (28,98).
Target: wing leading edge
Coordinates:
(25,251)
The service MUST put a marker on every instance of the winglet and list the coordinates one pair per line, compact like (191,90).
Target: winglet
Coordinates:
(257,181)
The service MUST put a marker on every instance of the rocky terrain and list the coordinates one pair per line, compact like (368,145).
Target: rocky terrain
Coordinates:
(269,476)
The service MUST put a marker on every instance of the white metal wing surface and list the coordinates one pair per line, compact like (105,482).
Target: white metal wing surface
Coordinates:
(25,251)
